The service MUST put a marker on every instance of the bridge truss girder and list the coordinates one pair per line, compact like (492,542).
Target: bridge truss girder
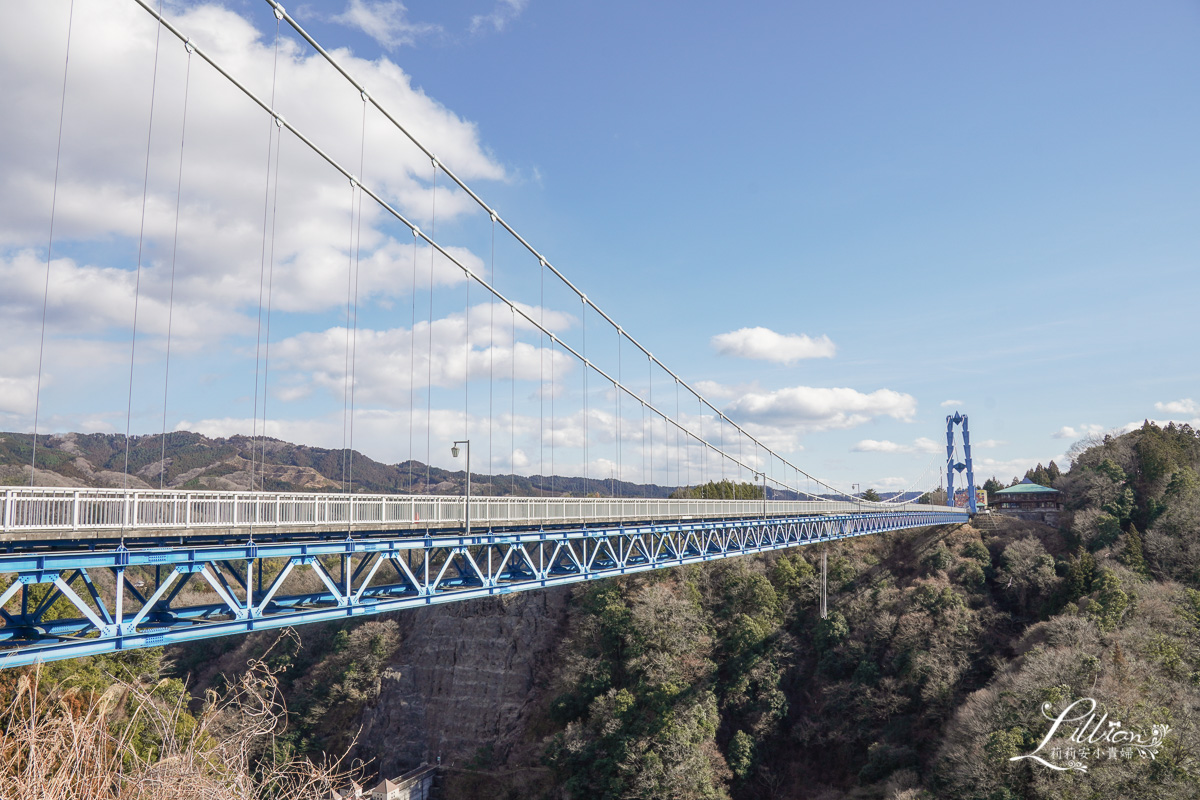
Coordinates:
(359,576)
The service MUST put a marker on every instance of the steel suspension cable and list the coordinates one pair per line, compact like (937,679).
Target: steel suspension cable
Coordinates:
(678,452)
(272,128)
(137,283)
(362,155)
(650,399)
(62,108)
(439,250)
(542,372)
(617,402)
(346,365)
(478,200)
(647,475)
(491,351)
(162,475)
(553,392)
(412,359)
(267,332)
(512,400)
(933,464)
(429,355)
(620,421)
(740,458)
(467,362)
(583,307)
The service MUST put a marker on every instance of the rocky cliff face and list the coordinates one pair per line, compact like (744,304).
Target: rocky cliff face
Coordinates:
(466,683)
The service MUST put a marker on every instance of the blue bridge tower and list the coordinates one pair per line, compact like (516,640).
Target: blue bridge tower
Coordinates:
(952,466)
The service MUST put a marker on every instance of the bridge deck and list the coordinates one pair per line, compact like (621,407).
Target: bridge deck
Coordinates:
(91,571)
(66,515)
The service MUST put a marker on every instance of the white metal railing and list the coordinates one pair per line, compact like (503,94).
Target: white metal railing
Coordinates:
(83,510)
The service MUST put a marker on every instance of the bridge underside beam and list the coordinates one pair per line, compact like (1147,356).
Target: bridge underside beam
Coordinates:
(77,603)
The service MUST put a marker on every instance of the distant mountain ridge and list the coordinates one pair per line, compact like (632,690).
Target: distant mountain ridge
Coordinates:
(195,461)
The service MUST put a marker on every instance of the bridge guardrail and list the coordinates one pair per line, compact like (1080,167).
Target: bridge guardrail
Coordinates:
(67,509)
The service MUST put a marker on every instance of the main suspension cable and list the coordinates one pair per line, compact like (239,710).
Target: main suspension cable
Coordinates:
(479,201)
(441,251)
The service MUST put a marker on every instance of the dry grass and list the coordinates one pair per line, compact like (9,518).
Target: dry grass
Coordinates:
(134,743)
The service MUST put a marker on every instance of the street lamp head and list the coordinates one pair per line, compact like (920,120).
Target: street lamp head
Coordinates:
(454,451)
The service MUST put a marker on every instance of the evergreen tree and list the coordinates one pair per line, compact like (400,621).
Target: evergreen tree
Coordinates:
(991,486)
(719,490)
(1132,555)
(1081,574)
(1112,602)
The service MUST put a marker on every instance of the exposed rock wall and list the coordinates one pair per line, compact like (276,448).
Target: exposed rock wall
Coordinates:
(467,676)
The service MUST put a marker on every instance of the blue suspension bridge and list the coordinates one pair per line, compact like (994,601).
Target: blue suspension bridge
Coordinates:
(96,570)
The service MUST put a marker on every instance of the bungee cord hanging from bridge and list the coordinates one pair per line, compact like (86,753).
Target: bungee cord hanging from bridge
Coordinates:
(79,549)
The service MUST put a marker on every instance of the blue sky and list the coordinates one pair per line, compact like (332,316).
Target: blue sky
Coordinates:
(992,205)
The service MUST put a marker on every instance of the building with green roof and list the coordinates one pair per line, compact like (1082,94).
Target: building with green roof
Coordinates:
(1029,500)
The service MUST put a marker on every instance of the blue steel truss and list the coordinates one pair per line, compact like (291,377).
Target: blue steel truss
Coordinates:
(238,588)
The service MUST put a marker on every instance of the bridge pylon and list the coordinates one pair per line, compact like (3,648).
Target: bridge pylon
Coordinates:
(965,464)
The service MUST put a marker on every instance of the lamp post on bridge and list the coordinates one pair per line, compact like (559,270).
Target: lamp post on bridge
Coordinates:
(454,452)
(763,476)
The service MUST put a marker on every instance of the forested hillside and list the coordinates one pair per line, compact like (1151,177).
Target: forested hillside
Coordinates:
(184,460)
(930,673)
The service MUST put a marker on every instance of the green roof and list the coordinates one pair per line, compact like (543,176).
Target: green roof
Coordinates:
(1026,488)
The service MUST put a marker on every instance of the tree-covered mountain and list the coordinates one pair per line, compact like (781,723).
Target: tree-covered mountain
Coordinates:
(184,460)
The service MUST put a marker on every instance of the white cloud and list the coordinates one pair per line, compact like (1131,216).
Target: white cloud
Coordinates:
(950,403)
(98,300)
(921,445)
(505,12)
(813,408)
(224,172)
(1185,407)
(877,446)
(16,395)
(720,392)
(989,443)
(220,256)
(1068,432)
(767,345)
(388,362)
(385,21)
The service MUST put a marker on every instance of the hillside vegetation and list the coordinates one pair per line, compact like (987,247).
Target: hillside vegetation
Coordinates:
(722,680)
(193,461)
